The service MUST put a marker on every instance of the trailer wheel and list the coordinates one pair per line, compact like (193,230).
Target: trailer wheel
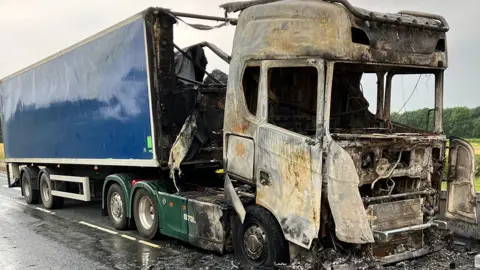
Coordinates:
(259,241)
(49,201)
(145,212)
(31,195)
(116,207)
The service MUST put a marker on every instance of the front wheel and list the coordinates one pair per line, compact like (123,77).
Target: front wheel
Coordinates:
(259,241)
(145,212)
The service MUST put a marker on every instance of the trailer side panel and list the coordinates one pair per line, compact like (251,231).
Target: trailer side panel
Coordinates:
(91,102)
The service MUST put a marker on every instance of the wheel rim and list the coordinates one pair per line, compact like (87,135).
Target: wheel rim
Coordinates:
(116,206)
(146,212)
(26,188)
(254,242)
(45,189)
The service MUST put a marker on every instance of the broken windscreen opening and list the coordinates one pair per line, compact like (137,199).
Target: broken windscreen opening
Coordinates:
(414,101)
(292,98)
(375,99)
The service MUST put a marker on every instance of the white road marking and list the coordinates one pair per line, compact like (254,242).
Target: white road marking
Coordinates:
(128,237)
(97,227)
(45,210)
(148,244)
(23,203)
(122,235)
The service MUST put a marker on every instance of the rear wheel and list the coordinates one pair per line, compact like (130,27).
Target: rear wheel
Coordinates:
(145,212)
(31,195)
(259,241)
(116,207)
(48,200)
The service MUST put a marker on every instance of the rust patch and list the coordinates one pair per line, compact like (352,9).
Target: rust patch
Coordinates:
(294,170)
(293,196)
(241,128)
(240,150)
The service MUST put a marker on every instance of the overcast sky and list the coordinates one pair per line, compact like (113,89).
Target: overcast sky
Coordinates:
(31,30)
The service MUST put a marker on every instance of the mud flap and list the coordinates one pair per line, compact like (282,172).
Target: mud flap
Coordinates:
(462,199)
(13,175)
(232,198)
(351,222)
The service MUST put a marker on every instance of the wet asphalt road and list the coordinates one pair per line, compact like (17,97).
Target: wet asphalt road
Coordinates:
(31,238)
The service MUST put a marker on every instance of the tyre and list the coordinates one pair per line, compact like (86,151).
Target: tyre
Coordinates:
(49,201)
(31,195)
(146,215)
(116,207)
(259,241)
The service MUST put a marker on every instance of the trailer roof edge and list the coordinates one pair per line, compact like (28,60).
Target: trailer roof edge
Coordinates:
(77,45)
(106,31)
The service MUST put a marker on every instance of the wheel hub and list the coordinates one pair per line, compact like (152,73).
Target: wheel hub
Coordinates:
(45,190)
(146,212)
(26,188)
(254,241)
(116,206)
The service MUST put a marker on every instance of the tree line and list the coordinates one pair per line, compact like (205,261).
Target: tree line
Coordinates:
(457,121)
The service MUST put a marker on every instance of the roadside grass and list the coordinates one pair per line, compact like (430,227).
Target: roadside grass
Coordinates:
(477,185)
(475,142)
(476,145)
(2,152)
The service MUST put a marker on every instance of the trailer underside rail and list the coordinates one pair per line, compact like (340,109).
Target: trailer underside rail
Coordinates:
(84,182)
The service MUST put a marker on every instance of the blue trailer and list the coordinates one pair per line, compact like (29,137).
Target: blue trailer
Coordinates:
(119,108)
(99,102)
(89,104)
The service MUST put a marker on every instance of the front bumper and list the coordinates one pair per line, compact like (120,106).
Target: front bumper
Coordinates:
(386,236)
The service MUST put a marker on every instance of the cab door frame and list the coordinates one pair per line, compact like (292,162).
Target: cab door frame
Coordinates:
(288,165)
(461,196)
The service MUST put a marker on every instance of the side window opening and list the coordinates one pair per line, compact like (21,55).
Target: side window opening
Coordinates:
(292,98)
(250,82)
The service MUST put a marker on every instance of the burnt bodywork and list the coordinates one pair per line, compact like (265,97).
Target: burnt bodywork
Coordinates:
(399,180)
(357,178)
(329,171)
(293,132)
(329,30)
(180,93)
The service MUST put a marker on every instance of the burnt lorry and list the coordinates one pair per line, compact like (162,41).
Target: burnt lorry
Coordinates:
(280,160)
